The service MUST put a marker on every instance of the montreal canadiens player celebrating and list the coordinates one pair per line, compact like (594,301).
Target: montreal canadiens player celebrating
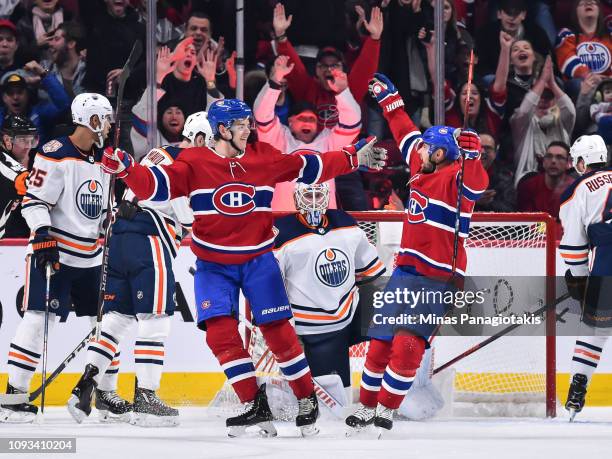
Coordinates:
(426,248)
(586,215)
(230,190)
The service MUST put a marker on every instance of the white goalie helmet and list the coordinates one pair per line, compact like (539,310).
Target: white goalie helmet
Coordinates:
(312,201)
(197,123)
(591,148)
(88,104)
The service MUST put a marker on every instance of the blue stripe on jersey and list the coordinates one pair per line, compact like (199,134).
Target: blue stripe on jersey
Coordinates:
(162,190)
(562,36)
(407,143)
(446,217)
(139,125)
(232,250)
(74,236)
(312,170)
(201,202)
(574,247)
(576,263)
(349,126)
(571,65)
(472,195)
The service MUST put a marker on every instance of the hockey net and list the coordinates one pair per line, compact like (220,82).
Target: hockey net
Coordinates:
(513,376)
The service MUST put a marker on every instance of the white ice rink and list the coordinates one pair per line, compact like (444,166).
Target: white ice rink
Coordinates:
(202,435)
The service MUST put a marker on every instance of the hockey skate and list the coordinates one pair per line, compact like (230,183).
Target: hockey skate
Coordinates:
(256,413)
(363,417)
(308,412)
(576,395)
(79,403)
(151,411)
(111,407)
(383,419)
(18,414)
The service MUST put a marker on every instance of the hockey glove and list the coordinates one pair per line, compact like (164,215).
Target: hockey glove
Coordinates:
(117,162)
(20,183)
(45,250)
(469,142)
(576,285)
(363,153)
(385,93)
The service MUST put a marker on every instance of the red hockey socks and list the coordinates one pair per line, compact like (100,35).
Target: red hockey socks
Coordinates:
(283,342)
(224,341)
(406,354)
(376,361)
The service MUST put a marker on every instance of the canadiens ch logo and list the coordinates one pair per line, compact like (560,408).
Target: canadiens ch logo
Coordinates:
(89,199)
(332,267)
(594,55)
(416,207)
(234,199)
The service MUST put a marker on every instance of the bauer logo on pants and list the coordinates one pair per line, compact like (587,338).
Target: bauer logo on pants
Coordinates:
(332,267)
(89,199)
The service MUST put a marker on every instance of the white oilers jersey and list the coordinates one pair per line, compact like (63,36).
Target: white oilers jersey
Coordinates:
(322,268)
(586,216)
(67,191)
(173,217)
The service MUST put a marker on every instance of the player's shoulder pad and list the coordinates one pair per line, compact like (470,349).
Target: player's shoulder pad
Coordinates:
(571,190)
(339,219)
(172,150)
(60,148)
(288,228)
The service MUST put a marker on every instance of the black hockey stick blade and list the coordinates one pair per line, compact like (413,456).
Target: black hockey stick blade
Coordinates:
(16,399)
(499,334)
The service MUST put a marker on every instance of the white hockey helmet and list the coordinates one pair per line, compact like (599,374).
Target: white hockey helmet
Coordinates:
(591,149)
(312,201)
(88,104)
(197,123)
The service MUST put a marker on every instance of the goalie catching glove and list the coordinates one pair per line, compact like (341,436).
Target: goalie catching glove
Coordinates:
(385,93)
(576,285)
(117,162)
(364,153)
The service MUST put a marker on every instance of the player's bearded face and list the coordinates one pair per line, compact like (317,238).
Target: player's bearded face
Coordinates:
(427,166)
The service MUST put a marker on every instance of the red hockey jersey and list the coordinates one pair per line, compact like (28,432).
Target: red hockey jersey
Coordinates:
(231,197)
(428,238)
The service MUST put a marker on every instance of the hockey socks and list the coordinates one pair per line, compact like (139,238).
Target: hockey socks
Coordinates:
(283,342)
(587,353)
(149,352)
(224,341)
(377,358)
(406,354)
(26,348)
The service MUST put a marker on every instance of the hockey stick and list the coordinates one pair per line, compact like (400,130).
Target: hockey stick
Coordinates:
(48,274)
(503,332)
(125,74)
(16,399)
(460,181)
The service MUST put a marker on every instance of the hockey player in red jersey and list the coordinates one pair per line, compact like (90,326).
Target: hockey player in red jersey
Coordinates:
(426,259)
(230,189)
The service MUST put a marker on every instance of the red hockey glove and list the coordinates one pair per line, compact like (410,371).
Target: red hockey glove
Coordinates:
(385,93)
(117,162)
(469,141)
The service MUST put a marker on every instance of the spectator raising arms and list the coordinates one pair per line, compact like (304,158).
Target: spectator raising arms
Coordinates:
(302,132)
(317,90)
(546,115)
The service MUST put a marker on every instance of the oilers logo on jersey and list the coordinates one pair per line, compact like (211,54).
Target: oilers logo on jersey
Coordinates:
(594,55)
(89,199)
(416,207)
(332,267)
(234,199)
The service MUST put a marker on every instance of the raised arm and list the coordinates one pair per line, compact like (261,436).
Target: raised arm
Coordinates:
(349,113)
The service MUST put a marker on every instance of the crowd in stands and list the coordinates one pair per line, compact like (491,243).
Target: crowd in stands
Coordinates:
(543,77)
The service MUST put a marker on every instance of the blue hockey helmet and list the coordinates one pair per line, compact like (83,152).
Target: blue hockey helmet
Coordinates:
(442,137)
(226,111)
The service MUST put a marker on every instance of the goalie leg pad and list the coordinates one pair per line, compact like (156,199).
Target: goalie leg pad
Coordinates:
(26,348)
(377,359)
(224,341)
(406,354)
(149,351)
(283,342)
(104,353)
